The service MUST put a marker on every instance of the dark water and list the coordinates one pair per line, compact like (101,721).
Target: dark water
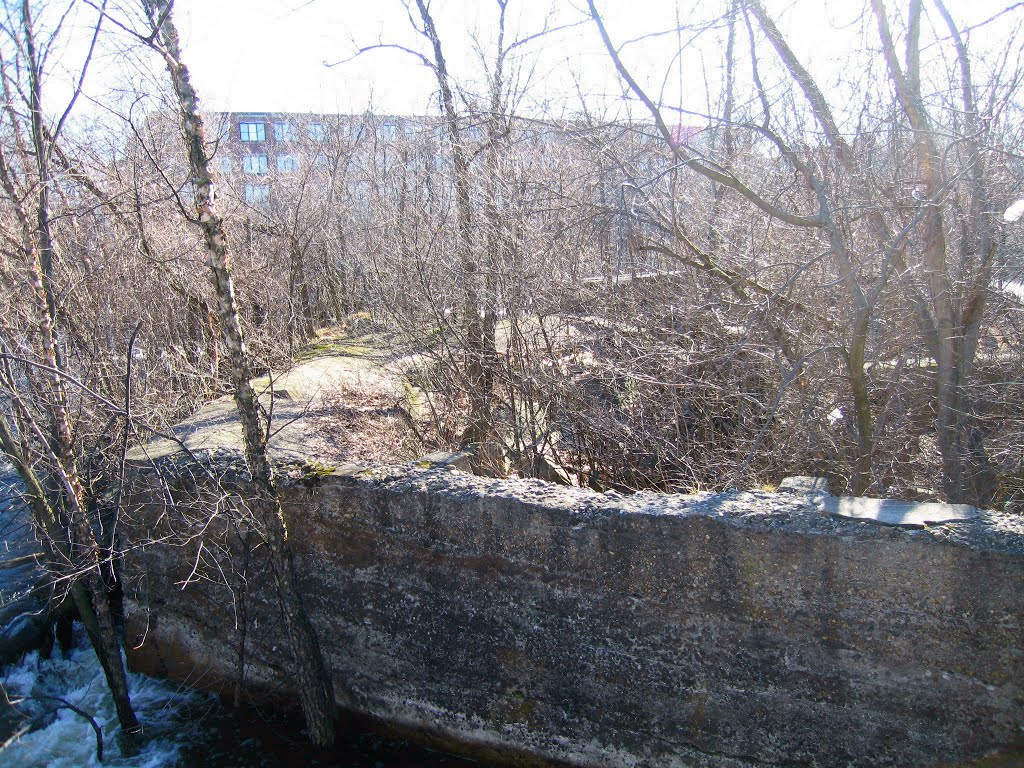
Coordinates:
(272,740)
(181,727)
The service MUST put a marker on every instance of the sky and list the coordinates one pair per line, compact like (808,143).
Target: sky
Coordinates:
(299,55)
(271,55)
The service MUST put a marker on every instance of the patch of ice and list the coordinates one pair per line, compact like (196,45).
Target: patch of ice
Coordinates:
(1014,212)
(1014,288)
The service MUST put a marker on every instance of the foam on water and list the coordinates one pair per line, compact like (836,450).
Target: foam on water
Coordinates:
(64,739)
(180,727)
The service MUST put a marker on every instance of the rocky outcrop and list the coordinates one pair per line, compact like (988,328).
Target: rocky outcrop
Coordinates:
(738,629)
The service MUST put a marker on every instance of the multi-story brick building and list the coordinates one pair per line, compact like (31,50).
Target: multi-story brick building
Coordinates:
(271,160)
(257,148)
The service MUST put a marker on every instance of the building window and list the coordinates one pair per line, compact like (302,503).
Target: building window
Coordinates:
(317,132)
(252,131)
(287,163)
(387,132)
(359,190)
(284,132)
(352,131)
(255,164)
(256,193)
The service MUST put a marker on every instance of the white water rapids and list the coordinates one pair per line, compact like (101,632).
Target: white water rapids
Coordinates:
(66,739)
(39,731)
(180,726)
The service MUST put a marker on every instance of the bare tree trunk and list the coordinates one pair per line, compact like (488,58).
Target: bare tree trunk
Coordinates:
(861,304)
(74,549)
(335,285)
(498,254)
(954,349)
(974,298)
(479,325)
(714,219)
(315,687)
(78,561)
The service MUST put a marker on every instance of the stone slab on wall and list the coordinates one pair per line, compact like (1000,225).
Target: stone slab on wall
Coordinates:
(738,629)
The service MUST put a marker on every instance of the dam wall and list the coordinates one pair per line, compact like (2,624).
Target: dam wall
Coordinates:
(556,625)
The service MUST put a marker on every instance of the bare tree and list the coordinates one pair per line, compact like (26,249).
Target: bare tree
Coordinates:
(315,687)
(871,238)
(955,309)
(37,431)
(478,319)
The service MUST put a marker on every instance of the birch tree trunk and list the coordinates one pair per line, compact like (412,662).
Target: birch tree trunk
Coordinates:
(315,687)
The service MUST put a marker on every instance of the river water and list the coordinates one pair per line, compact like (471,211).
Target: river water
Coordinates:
(180,727)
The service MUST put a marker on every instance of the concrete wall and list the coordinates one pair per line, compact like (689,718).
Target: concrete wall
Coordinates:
(741,629)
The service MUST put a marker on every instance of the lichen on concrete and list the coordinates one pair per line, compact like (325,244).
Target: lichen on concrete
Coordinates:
(737,629)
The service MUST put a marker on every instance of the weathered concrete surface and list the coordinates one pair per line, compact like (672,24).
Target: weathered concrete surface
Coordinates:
(911,514)
(740,629)
(320,407)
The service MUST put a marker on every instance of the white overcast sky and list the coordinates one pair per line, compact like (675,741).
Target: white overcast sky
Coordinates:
(269,55)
